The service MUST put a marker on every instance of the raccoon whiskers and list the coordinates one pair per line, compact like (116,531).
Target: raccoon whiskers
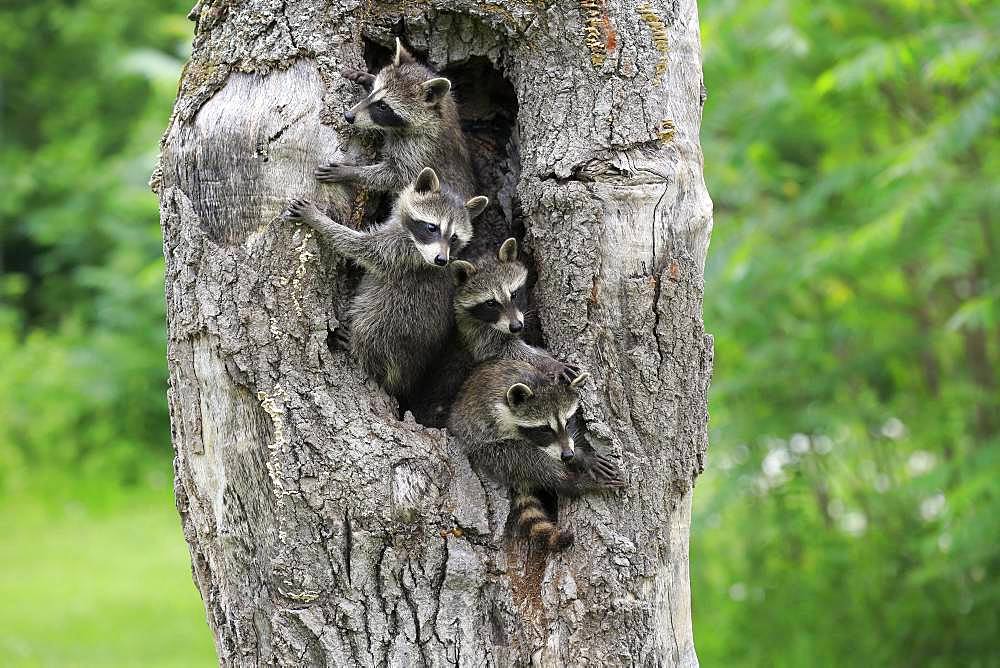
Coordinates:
(530,312)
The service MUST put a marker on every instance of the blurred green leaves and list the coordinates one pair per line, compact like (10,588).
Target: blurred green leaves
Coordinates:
(86,90)
(849,508)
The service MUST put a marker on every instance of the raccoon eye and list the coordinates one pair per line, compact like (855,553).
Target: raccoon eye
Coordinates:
(431,227)
(454,238)
(513,295)
(538,432)
(493,303)
(380,105)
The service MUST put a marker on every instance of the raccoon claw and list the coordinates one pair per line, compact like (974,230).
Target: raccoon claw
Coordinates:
(595,469)
(334,172)
(568,374)
(359,77)
(607,473)
(300,209)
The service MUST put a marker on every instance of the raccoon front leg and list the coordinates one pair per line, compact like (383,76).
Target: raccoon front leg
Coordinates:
(378,177)
(337,172)
(347,242)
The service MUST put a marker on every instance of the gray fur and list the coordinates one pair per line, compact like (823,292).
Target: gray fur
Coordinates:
(502,396)
(475,341)
(485,424)
(496,278)
(432,135)
(401,314)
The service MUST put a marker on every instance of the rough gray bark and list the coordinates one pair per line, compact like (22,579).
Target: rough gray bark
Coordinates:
(324,531)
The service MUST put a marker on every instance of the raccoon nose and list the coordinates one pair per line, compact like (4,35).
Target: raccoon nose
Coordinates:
(440,261)
(516,326)
(567,456)
(349,116)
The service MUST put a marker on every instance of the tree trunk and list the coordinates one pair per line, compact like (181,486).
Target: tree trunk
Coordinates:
(323,529)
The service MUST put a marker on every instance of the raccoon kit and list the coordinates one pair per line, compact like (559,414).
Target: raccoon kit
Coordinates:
(489,315)
(516,424)
(401,313)
(489,321)
(414,110)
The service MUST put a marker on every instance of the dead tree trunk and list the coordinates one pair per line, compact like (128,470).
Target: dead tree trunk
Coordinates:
(323,529)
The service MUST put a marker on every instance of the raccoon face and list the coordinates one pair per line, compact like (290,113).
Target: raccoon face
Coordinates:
(438,222)
(404,94)
(544,416)
(495,294)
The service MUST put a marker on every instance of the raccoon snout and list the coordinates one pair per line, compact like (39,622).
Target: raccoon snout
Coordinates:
(440,261)
(349,116)
(516,326)
(567,450)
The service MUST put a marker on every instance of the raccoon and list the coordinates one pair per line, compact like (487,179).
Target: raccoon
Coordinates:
(517,425)
(489,313)
(489,321)
(401,313)
(414,109)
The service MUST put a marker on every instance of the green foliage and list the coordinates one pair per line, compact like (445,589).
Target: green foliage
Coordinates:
(849,511)
(86,90)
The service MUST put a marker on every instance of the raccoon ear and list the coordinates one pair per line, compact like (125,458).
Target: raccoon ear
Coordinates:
(476,206)
(579,380)
(508,251)
(427,182)
(518,393)
(435,89)
(462,271)
(402,55)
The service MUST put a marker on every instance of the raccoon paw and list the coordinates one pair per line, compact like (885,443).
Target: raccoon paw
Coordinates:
(342,337)
(606,473)
(568,374)
(301,209)
(359,77)
(334,172)
(553,540)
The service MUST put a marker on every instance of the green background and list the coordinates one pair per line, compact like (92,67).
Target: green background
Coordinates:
(849,513)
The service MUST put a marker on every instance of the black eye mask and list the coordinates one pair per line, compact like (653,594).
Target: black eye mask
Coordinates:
(419,230)
(518,298)
(382,114)
(488,311)
(540,436)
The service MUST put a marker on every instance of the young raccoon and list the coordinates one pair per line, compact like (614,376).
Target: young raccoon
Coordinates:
(489,317)
(516,425)
(401,313)
(414,109)
(489,321)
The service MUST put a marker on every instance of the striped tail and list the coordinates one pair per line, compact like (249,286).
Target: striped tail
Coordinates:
(534,523)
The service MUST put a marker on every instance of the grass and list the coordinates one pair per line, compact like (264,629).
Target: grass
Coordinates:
(98,584)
